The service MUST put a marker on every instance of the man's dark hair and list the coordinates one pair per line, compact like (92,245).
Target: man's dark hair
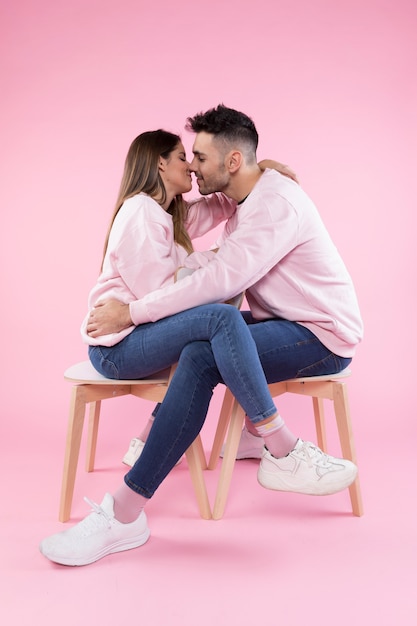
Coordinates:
(227,124)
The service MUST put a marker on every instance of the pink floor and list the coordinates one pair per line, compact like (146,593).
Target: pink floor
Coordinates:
(274,558)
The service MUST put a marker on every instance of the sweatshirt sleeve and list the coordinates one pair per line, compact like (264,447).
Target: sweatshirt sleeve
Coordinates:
(205,213)
(141,254)
(260,233)
(144,260)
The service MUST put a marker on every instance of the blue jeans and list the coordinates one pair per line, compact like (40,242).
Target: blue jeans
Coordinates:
(289,350)
(155,346)
(285,349)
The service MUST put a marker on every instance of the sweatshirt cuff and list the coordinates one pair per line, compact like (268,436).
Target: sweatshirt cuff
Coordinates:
(138,313)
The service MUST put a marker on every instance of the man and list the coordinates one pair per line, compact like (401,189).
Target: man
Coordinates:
(304,315)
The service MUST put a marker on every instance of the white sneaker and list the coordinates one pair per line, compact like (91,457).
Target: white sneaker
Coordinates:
(135,450)
(250,446)
(306,470)
(96,536)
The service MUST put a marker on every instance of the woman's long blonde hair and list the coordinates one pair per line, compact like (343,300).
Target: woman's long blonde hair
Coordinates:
(141,174)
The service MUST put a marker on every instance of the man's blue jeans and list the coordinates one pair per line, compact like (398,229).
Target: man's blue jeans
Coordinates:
(212,344)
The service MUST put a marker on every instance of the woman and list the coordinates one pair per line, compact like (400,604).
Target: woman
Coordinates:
(146,243)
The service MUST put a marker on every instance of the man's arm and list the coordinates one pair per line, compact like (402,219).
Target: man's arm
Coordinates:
(109,316)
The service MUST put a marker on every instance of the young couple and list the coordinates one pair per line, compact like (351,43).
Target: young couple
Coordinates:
(303,321)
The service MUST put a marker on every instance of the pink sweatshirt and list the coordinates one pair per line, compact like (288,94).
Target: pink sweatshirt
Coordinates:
(142,256)
(276,247)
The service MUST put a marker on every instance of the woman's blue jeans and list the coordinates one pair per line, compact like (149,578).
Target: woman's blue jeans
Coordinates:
(212,344)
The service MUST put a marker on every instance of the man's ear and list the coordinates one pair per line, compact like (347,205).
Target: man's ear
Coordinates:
(234,160)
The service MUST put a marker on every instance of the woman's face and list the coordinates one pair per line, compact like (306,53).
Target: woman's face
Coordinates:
(175,171)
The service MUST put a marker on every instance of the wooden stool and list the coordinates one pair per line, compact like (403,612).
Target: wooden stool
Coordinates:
(90,387)
(319,388)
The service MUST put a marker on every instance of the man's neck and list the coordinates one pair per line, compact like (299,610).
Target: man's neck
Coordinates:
(242,184)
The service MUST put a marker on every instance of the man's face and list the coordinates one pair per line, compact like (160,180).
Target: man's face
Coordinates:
(208,165)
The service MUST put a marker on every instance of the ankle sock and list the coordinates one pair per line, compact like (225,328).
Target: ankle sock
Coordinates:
(128,504)
(251,428)
(277,437)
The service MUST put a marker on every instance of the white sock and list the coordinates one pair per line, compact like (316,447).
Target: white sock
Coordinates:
(277,437)
(128,504)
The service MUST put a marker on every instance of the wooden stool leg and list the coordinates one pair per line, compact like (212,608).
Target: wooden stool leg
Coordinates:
(341,409)
(221,429)
(72,451)
(229,459)
(202,455)
(193,455)
(93,424)
(318,406)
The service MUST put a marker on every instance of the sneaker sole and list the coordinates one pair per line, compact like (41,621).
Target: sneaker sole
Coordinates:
(251,454)
(270,481)
(118,546)
(248,455)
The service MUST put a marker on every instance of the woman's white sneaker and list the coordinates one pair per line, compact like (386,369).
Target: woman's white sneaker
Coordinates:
(306,469)
(250,446)
(96,536)
(135,450)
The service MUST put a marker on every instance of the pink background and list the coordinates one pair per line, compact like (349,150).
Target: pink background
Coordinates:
(332,88)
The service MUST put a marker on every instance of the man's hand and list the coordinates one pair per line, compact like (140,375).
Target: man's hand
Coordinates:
(109,316)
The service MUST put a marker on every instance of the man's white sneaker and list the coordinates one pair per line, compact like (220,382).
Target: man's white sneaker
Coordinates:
(250,446)
(135,450)
(96,536)
(306,470)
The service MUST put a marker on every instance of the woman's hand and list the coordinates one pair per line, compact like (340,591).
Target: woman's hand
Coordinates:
(279,167)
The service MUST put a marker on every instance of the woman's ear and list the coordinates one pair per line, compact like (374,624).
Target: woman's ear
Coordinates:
(161,164)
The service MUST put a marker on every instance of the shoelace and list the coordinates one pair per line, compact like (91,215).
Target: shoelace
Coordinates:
(94,522)
(313,454)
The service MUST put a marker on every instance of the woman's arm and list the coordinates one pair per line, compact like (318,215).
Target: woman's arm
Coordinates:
(205,213)
(279,167)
